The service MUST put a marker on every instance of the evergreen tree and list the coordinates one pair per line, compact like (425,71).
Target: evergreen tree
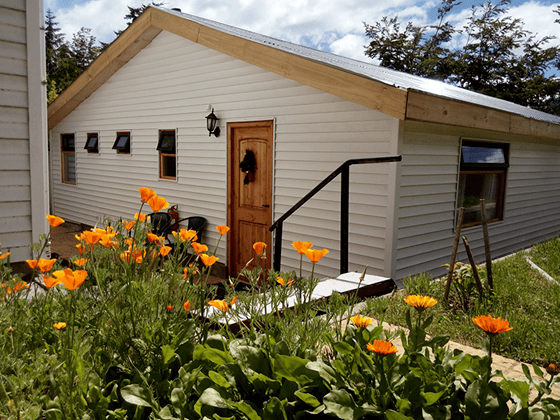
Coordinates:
(499,58)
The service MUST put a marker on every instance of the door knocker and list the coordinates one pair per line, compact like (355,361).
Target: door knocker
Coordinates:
(247,165)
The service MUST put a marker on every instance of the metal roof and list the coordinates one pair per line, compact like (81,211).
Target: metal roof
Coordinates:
(377,73)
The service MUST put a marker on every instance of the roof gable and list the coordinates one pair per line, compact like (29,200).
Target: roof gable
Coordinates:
(397,94)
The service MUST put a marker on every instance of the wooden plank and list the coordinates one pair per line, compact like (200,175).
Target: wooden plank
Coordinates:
(429,108)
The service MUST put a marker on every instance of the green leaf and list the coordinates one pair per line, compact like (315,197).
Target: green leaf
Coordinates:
(219,379)
(520,389)
(274,409)
(393,415)
(210,398)
(168,354)
(526,372)
(432,397)
(307,398)
(482,402)
(343,348)
(246,409)
(218,357)
(294,369)
(538,371)
(136,395)
(329,375)
(178,399)
(341,404)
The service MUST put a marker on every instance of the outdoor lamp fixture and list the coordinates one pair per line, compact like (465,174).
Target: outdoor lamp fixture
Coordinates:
(211,121)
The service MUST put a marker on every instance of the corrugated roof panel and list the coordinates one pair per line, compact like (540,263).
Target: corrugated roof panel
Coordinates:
(380,74)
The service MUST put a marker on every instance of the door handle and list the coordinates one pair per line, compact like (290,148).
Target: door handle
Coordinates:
(265,205)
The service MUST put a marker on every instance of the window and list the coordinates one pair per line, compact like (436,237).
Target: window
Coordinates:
(122,143)
(167,154)
(68,163)
(482,176)
(92,143)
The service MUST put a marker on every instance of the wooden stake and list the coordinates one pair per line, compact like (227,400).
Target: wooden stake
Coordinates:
(473,265)
(454,253)
(486,246)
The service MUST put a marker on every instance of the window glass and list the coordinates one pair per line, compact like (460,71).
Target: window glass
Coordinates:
(122,143)
(92,143)
(167,156)
(68,158)
(475,154)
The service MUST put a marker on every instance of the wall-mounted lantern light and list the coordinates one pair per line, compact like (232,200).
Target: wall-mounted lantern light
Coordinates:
(211,121)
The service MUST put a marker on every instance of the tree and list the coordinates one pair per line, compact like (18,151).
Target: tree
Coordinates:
(498,58)
(135,12)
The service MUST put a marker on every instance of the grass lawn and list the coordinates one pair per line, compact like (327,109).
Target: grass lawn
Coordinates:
(530,303)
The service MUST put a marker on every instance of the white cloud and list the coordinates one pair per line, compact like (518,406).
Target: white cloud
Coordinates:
(351,46)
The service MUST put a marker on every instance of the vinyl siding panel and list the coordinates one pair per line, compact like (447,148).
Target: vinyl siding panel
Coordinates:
(15,196)
(427,196)
(169,85)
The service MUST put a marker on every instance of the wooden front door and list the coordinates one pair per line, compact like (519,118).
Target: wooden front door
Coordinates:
(250,191)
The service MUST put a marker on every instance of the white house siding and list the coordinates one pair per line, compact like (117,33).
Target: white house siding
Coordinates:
(428,186)
(22,123)
(169,84)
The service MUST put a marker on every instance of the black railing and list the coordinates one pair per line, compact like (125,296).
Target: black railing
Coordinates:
(344,171)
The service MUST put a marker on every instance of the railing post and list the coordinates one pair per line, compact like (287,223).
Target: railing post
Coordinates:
(277,248)
(344,211)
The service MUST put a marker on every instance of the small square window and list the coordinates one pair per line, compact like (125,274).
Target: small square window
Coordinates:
(122,143)
(482,176)
(167,154)
(92,143)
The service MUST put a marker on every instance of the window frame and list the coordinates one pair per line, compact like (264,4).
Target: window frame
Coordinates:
(66,151)
(500,169)
(126,148)
(166,154)
(89,148)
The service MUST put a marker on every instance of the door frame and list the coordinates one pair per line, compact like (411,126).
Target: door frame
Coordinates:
(248,123)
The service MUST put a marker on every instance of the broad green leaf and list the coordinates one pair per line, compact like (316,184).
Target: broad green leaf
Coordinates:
(341,404)
(274,409)
(168,354)
(482,402)
(431,397)
(137,395)
(218,357)
(219,379)
(53,414)
(307,398)
(210,397)
(246,409)
(393,415)
(326,372)
(538,371)
(526,372)
(178,399)
(343,348)
(293,368)
(520,389)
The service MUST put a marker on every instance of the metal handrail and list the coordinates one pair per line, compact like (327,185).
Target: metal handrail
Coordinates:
(344,171)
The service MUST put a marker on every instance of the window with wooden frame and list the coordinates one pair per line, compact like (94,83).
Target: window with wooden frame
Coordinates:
(167,154)
(122,143)
(92,143)
(482,176)
(68,158)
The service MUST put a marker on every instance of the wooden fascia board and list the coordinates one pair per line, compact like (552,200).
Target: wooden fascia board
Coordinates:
(355,88)
(429,108)
(126,46)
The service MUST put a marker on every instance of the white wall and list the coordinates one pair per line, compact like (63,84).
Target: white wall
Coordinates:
(428,188)
(23,157)
(168,85)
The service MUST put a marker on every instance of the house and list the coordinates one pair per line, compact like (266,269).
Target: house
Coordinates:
(23,127)
(290,115)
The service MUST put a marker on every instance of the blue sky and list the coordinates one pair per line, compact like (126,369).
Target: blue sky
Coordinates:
(332,26)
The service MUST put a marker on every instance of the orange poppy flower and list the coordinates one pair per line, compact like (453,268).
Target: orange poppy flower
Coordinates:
(315,255)
(31,263)
(221,304)
(208,260)
(20,285)
(146,194)
(282,282)
(81,248)
(361,321)
(420,302)
(50,282)
(45,265)
(80,262)
(54,221)
(301,246)
(169,308)
(187,306)
(107,241)
(60,325)
(259,247)
(185,235)
(164,250)
(157,203)
(71,279)
(223,229)
(129,225)
(491,325)
(135,256)
(2,256)
(199,248)
(153,238)
(382,347)
(140,217)
(92,238)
